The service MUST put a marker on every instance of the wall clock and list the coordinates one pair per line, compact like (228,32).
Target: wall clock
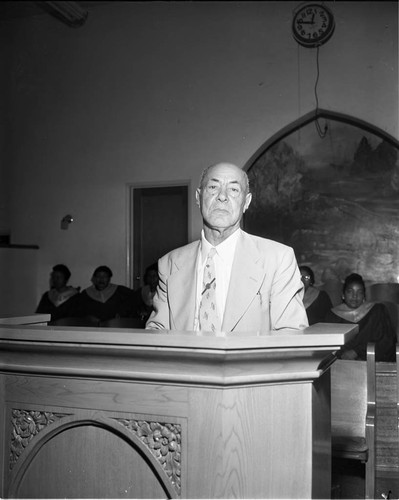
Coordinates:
(313,25)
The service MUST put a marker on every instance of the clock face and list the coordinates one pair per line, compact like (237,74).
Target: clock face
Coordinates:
(313,25)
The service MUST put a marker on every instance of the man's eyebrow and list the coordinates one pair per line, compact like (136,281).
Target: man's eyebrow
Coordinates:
(212,179)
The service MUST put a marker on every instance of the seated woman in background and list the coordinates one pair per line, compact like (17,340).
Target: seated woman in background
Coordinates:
(143,296)
(373,320)
(104,300)
(57,301)
(317,302)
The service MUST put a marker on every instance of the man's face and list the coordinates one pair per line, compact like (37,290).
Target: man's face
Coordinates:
(223,196)
(101,280)
(57,280)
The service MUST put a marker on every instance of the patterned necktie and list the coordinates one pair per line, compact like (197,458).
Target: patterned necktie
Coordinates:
(208,315)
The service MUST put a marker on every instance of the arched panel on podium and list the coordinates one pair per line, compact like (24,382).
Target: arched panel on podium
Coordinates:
(118,457)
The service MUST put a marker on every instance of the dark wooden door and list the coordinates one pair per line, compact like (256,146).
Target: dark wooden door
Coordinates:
(160,224)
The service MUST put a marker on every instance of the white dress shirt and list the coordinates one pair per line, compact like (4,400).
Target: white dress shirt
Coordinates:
(223,260)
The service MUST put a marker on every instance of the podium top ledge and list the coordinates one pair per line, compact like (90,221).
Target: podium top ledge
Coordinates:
(321,335)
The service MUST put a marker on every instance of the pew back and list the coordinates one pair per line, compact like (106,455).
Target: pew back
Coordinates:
(353,413)
(387,439)
(349,399)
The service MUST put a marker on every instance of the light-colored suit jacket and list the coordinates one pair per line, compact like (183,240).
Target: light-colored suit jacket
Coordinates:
(265,291)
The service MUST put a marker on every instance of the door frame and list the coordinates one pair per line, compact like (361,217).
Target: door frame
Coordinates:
(130,187)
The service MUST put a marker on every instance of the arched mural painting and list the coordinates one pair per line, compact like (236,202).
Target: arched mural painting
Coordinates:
(334,199)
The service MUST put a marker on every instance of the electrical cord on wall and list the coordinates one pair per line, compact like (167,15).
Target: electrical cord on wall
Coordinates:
(321,133)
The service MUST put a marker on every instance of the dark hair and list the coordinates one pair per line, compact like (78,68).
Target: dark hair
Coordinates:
(354,278)
(103,269)
(61,268)
(308,271)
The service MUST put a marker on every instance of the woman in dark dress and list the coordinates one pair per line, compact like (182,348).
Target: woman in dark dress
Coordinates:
(317,302)
(104,300)
(373,320)
(143,297)
(59,300)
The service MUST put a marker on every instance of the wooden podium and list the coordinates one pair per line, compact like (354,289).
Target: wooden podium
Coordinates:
(95,413)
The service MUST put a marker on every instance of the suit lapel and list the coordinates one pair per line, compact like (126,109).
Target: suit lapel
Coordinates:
(246,278)
(182,288)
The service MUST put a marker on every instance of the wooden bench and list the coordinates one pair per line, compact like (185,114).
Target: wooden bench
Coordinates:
(353,414)
(387,459)
(387,430)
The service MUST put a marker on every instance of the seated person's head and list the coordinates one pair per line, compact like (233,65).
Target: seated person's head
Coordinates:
(59,276)
(354,291)
(151,277)
(307,276)
(101,277)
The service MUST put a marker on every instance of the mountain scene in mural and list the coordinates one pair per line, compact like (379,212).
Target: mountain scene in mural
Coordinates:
(334,200)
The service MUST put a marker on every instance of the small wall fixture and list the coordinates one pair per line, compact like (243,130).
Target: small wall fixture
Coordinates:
(65,221)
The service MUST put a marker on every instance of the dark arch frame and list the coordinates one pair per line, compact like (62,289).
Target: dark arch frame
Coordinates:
(311,117)
(321,216)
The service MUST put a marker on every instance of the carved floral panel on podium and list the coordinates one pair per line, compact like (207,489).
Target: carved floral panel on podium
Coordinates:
(26,424)
(164,442)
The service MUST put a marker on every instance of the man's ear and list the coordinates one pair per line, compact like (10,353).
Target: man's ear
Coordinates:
(248,200)
(197,196)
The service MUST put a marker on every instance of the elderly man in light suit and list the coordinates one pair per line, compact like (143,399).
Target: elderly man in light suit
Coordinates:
(257,282)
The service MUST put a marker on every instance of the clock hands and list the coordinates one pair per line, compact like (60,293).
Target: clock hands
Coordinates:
(307,22)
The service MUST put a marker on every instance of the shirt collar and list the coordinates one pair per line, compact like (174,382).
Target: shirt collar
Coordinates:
(225,250)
